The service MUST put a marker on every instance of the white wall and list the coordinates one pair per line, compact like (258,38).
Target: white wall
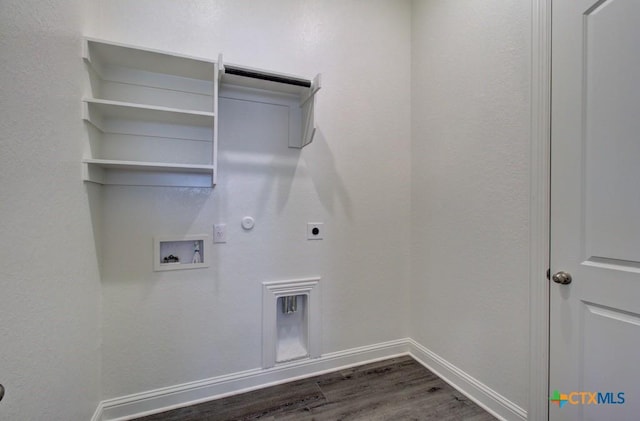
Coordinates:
(49,276)
(470,191)
(164,329)
(446,195)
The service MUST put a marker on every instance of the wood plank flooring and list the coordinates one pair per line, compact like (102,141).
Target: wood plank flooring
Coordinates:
(394,389)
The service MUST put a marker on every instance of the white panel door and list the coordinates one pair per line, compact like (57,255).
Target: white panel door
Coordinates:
(595,210)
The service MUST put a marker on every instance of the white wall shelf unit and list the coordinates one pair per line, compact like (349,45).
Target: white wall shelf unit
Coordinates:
(152,115)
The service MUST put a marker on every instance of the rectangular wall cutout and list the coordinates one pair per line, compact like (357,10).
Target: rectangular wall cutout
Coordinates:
(291,321)
(176,253)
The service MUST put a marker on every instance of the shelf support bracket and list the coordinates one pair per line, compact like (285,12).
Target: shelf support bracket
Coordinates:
(308,110)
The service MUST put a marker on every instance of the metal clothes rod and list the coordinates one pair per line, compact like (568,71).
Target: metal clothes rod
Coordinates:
(265,76)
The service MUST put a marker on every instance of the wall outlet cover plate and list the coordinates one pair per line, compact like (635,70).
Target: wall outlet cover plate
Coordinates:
(220,233)
(315,230)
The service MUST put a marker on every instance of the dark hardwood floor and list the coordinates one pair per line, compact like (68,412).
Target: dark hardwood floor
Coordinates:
(394,389)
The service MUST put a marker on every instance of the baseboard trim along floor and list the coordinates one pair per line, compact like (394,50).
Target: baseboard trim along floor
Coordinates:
(178,396)
(485,397)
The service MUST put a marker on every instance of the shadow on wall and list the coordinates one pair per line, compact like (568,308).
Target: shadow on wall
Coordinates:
(94,198)
(126,218)
(325,177)
(254,158)
(258,174)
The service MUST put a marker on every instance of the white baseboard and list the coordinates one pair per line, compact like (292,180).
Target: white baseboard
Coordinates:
(178,396)
(159,400)
(487,398)
(97,416)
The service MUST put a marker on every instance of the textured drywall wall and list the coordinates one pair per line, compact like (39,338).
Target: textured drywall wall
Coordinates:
(49,276)
(164,329)
(470,187)
(469,212)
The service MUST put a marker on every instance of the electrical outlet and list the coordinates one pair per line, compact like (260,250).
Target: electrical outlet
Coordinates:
(315,230)
(220,233)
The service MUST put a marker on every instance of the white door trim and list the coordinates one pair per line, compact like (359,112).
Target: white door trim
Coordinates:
(540,162)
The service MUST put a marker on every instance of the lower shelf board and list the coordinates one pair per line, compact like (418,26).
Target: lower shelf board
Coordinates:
(107,110)
(140,173)
(150,166)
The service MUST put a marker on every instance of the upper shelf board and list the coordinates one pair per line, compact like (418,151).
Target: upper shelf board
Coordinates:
(139,112)
(101,53)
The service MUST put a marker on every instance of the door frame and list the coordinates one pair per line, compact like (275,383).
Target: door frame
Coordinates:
(539,210)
